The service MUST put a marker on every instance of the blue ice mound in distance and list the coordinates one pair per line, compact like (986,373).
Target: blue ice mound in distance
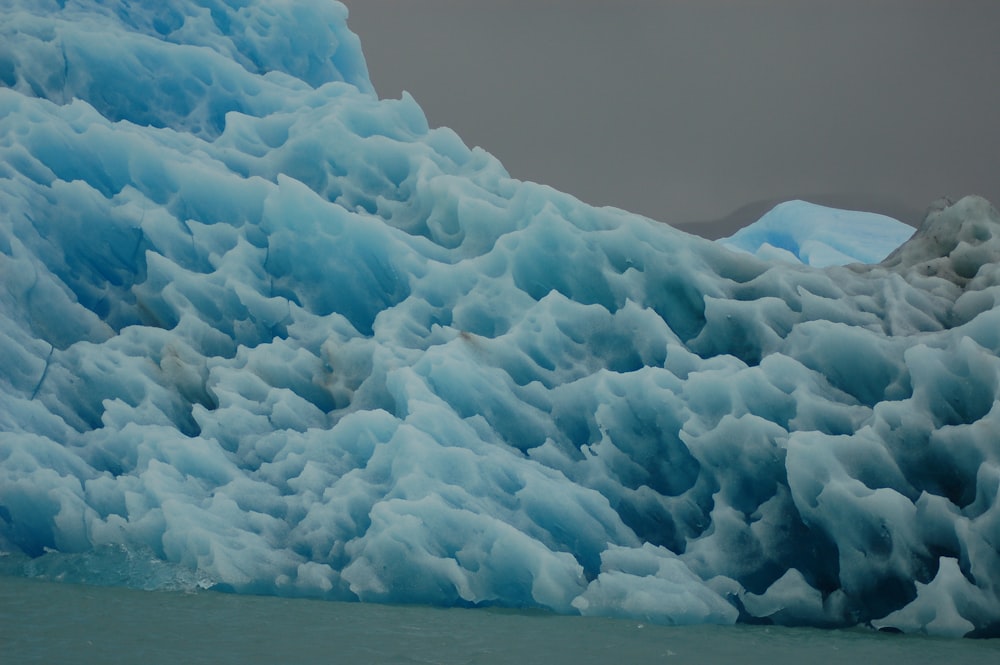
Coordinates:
(803,232)
(264,332)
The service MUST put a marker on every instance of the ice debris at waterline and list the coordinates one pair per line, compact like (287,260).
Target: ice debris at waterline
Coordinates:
(265,332)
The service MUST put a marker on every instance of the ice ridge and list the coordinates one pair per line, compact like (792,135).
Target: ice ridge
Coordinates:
(803,232)
(264,332)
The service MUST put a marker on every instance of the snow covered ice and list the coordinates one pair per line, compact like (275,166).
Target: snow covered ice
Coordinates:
(266,333)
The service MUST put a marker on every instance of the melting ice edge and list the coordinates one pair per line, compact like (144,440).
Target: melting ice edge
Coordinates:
(264,332)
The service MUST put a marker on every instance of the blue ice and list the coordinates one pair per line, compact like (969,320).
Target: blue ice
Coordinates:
(264,332)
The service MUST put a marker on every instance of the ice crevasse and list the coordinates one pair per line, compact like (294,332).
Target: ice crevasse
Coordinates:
(264,332)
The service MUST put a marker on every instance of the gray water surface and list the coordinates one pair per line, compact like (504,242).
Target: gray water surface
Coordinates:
(48,622)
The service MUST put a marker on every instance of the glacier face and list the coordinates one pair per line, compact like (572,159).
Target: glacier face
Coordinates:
(267,333)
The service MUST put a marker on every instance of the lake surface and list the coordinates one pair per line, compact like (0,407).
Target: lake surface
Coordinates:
(47,622)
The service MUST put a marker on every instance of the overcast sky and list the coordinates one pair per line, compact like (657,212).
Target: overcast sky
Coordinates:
(700,110)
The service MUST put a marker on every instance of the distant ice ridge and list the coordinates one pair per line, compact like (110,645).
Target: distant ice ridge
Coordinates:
(265,332)
(802,232)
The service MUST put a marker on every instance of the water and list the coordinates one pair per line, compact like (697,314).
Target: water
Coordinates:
(47,622)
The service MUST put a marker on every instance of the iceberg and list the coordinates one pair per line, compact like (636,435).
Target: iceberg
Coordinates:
(267,333)
(815,235)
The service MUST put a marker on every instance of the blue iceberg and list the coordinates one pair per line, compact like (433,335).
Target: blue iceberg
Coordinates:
(815,235)
(264,332)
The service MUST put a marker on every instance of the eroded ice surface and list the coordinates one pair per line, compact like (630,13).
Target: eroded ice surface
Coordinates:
(266,332)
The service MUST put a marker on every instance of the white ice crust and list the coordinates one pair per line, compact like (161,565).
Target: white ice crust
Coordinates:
(264,332)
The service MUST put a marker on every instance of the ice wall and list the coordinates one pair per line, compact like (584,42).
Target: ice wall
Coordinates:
(264,332)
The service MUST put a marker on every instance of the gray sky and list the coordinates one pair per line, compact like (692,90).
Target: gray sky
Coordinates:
(708,110)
